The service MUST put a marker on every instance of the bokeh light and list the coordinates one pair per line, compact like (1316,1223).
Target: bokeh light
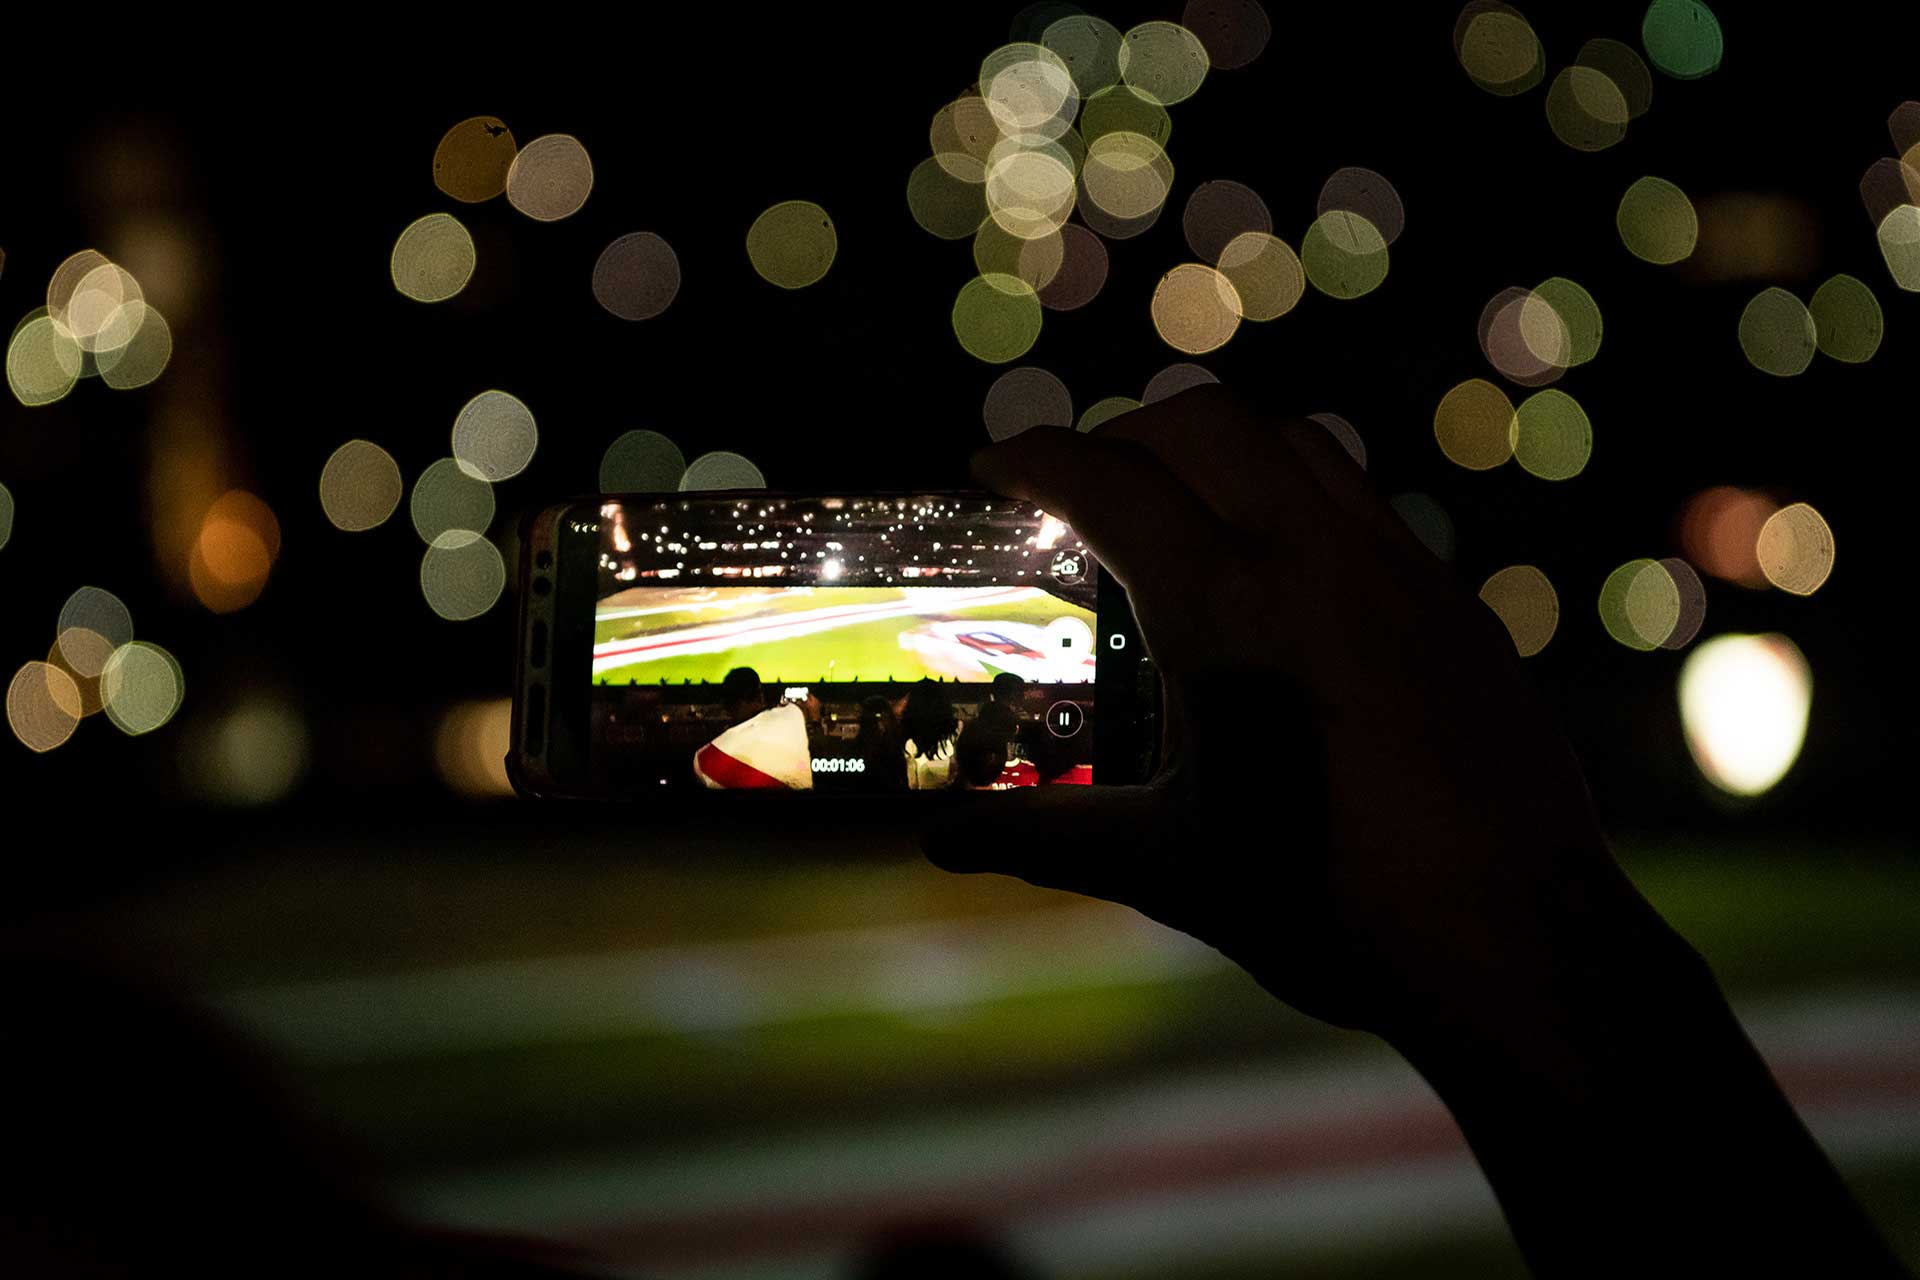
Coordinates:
(1027,397)
(1579,314)
(1795,549)
(642,462)
(470,747)
(64,283)
(721,470)
(1090,49)
(433,259)
(1174,379)
(1693,603)
(1105,411)
(1498,49)
(232,556)
(1552,436)
(1195,309)
(447,497)
(1526,603)
(253,754)
(944,205)
(1524,338)
(1747,235)
(1234,32)
(1720,530)
(637,276)
(962,135)
(472,160)
(1887,184)
(1903,127)
(550,177)
(1429,522)
(997,318)
(104,309)
(462,575)
(43,706)
(99,614)
(43,361)
(1265,273)
(1474,425)
(1744,704)
(141,687)
(1369,194)
(1344,432)
(1847,320)
(1217,212)
(6,515)
(1899,237)
(1033,262)
(494,437)
(1127,175)
(1640,605)
(1030,189)
(144,356)
(360,486)
(1121,110)
(1344,255)
(1162,62)
(91,653)
(1029,90)
(1082,271)
(1586,110)
(1682,38)
(1657,222)
(793,243)
(1777,333)
(1625,68)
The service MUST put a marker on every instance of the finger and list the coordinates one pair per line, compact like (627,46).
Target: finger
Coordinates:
(1097,840)
(1348,487)
(1137,518)
(1237,459)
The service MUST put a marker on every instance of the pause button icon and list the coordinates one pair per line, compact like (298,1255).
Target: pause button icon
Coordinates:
(1065,718)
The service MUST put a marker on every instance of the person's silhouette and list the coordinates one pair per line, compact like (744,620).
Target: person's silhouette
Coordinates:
(1404,844)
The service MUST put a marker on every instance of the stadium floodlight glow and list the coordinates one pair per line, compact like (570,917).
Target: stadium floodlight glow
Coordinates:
(1744,701)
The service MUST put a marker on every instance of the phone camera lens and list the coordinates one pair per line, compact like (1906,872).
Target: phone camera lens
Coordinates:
(544,560)
(542,586)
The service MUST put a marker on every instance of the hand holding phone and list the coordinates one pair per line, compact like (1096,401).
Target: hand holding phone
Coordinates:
(1359,798)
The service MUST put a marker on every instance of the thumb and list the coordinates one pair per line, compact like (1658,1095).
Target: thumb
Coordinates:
(1091,840)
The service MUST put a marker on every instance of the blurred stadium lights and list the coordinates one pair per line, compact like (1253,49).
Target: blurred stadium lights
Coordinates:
(470,747)
(1744,701)
(252,753)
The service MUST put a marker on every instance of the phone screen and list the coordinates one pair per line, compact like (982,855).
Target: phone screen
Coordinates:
(861,645)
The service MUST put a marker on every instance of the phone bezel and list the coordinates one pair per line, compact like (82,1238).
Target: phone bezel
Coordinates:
(1126,748)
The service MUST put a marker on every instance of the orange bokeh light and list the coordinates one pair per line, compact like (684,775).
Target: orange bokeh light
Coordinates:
(1720,530)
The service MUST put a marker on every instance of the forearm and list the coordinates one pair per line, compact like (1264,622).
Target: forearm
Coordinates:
(1624,1120)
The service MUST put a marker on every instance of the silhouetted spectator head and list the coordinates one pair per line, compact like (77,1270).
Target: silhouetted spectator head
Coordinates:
(1008,688)
(741,692)
(879,743)
(928,721)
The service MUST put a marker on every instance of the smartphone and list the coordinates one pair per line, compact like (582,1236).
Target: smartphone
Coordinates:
(736,643)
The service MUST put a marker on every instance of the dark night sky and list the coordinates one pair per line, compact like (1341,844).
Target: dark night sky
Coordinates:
(301,170)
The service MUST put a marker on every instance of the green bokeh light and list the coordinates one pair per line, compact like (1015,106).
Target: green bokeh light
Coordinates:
(1777,333)
(997,318)
(1344,255)
(1579,312)
(944,205)
(1847,320)
(1552,436)
(1657,222)
(1682,38)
